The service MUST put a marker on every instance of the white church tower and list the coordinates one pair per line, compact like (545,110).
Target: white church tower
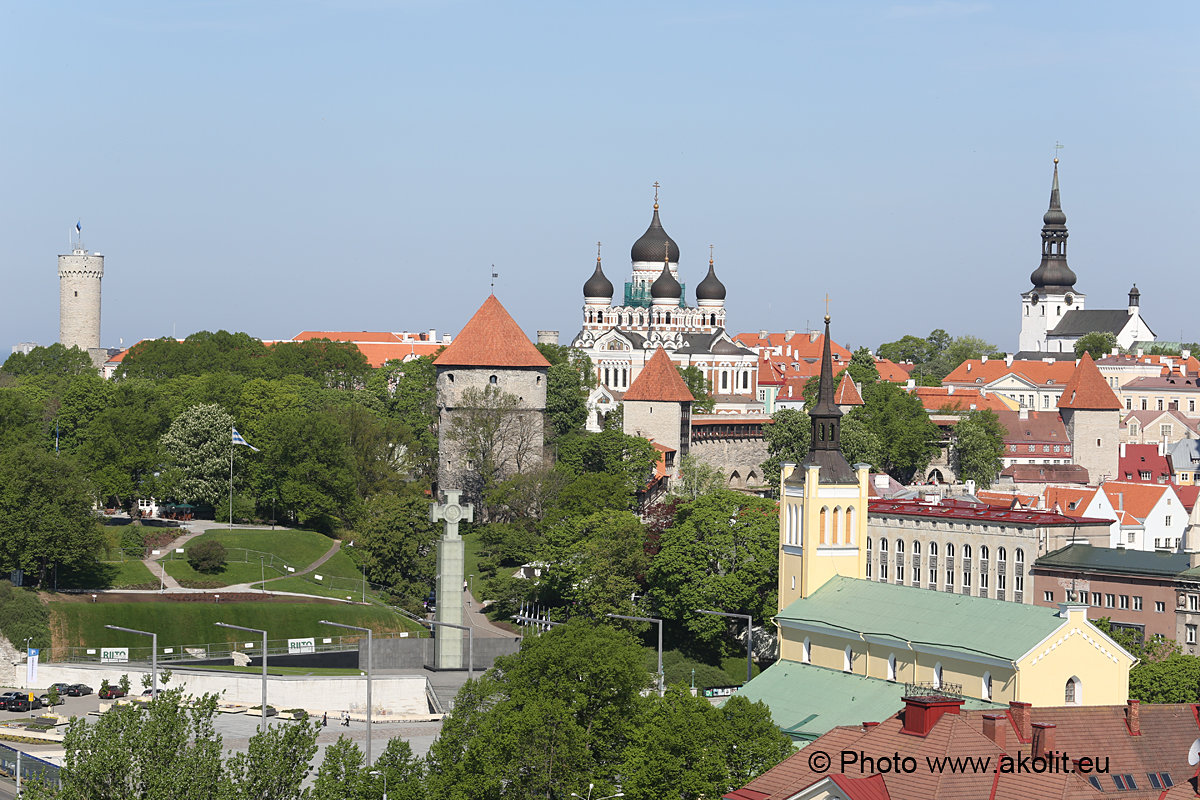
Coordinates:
(79,276)
(1053,293)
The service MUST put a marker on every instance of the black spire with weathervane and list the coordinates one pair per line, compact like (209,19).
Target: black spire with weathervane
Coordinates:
(825,450)
(1053,275)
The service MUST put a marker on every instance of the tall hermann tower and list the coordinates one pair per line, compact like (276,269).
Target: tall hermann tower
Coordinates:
(79,275)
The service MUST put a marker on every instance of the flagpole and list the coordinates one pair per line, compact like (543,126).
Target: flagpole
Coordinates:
(231,490)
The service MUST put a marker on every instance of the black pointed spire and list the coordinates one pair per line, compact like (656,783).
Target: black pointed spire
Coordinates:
(1053,274)
(825,450)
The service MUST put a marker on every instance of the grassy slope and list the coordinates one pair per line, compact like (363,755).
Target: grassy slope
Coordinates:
(296,548)
(109,575)
(82,624)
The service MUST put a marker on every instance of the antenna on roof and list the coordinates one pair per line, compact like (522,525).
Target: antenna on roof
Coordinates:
(494,276)
(1194,753)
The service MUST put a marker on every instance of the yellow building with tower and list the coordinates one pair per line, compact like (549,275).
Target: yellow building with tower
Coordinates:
(851,648)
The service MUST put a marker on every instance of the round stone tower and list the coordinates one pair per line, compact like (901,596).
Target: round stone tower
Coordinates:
(79,276)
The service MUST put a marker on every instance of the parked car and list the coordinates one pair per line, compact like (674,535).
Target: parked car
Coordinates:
(111,692)
(61,688)
(6,698)
(45,700)
(22,703)
(78,690)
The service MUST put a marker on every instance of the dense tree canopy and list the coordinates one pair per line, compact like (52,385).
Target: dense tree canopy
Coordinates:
(1097,343)
(979,447)
(935,356)
(700,387)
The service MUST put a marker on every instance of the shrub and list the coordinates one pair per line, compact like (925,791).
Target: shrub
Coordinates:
(207,556)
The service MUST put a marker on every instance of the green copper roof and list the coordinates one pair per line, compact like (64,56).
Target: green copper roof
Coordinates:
(1115,559)
(923,616)
(807,701)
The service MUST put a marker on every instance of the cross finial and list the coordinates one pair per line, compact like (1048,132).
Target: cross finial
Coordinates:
(666,252)
(710,255)
(656,195)
(597,252)
(1057,146)
(494,276)
(827,307)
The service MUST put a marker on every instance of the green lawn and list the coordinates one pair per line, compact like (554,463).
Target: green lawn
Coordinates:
(340,565)
(109,575)
(293,548)
(184,623)
(471,547)
(307,584)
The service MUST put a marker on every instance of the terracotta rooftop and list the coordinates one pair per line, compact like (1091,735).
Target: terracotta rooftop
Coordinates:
(847,393)
(1136,499)
(980,512)
(1039,373)
(491,338)
(1136,459)
(1038,427)
(659,381)
(952,398)
(1046,473)
(1087,390)
(1007,500)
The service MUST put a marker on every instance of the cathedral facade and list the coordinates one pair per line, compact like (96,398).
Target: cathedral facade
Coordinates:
(620,335)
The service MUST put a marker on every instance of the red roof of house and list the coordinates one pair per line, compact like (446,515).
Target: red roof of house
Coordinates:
(1136,499)
(1139,458)
(1087,390)
(1187,495)
(1039,373)
(491,338)
(892,372)
(951,398)
(847,393)
(1071,500)
(1038,427)
(981,512)
(1145,418)
(659,381)
(796,346)
(1008,500)
(1046,473)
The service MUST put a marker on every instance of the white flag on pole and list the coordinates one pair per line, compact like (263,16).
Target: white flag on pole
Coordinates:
(237,439)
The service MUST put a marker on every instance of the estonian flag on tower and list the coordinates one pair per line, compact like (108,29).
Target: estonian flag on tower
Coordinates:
(237,439)
(79,226)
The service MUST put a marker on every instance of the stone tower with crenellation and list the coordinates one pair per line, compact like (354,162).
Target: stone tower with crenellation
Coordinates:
(79,276)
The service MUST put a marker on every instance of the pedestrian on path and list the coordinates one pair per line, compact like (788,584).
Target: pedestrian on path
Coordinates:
(324,719)
(345,719)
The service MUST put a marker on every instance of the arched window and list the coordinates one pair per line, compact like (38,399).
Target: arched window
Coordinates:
(883,545)
(1001,554)
(848,660)
(937,674)
(492,380)
(1073,694)
(868,544)
(835,529)
(987,686)
(806,653)
(850,512)
(966,551)
(933,548)
(983,552)
(900,547)
(949,551)
(824,524)
(916,548)
(1021,554)
(892,667)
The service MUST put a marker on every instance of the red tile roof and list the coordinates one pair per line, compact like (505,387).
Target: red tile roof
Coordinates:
(1139,458)
(980,512)
(1007,500)
(797,346)
(892,372)
(847,393)
(1137,499)
(1039,373)
(1046,473)
(1038,427)
(939,398)
(659,381)
(491,338)
(1087,390)
(1070,501)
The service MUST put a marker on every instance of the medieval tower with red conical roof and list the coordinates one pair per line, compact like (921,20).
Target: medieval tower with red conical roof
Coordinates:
(1091,413)
(491,397)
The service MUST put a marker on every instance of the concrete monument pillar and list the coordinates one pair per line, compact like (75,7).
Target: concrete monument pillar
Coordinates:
(450,579)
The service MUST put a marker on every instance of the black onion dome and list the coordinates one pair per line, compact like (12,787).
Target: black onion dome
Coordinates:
(1135,292)
(655,243)
(598,285)
(665,286)
(710,288)
(1052,273)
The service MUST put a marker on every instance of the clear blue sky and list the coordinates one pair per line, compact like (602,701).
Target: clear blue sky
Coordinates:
(280,166)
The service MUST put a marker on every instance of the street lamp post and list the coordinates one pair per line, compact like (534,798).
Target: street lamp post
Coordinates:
(263,722)
(662,688)
(470,643)
(368,632)
(376,773)
(749,633)
(153,655)
(262,571)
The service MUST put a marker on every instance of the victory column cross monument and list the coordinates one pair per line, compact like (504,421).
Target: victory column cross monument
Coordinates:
(450,578)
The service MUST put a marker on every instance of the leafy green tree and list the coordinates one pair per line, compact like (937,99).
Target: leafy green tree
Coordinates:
(45,513)
(207,556)
(720,553)
(20,419)
(700,387)
(566,401)
(979,447)
(400,771)
(397,545)
(543,722)
(23,615)
(697,478)
(85,397)
(859,444)
(371,445)
(120,445)
(580,361)
(615,420)
(862,367)
(898,419)
(1097,343)
(341,774)
(496,437)
(787,437)
(196,451)
(308,469)
(610,452)
(597,561)
(54,360)
(274,765)
(164,750)
(935,356)
(334,365)
(409,391)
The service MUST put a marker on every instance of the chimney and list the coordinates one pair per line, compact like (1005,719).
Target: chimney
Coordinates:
(1120,502)
(1162,447)
(787,335)
(1141,352)
(921,713)
(1185,354)
(910,384)
(1020,713)
(994,728)
(1023,413)
(432,335)
(983,360)
(983,392)
(1116,351)
(1008,359)
(1043,738)
(1122,449)
(968,366)
(950,389)
(1133,717)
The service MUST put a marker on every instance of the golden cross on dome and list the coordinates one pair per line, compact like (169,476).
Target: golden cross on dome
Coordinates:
(710,255)
(1057,147)
(597,251)
(666,252)
(827,307)
(656,194)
